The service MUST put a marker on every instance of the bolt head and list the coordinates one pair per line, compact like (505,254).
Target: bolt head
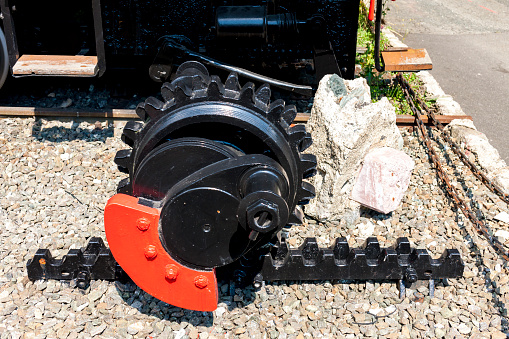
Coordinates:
(171,272)
(143,224)
(150,252)
(271,218)
(201,281)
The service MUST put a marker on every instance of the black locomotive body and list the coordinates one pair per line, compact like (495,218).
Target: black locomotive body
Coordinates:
(270,37)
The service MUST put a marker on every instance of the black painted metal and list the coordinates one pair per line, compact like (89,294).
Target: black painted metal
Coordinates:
(94,262)
(171,47)
(276,38)
(99,37)
(401,262)
(222,162)
(10,32)
(254,22)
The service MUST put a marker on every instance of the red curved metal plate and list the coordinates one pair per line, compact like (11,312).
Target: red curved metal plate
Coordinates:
(133,237)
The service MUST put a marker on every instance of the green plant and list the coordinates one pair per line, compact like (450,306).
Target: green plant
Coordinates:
(382,84)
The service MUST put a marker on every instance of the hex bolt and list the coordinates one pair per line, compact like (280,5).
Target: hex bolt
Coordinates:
(150,252)
(171,272)
(262,216)
(410,275)
(143,224)
(201,281)
(83,279)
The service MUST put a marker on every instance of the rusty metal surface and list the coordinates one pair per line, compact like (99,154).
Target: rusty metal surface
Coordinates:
(407,60)
(481,226)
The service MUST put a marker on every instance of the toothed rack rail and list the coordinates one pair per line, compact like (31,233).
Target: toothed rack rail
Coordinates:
(371,262)
(308,262)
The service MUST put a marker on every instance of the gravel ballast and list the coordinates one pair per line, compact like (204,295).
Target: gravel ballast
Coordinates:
(56,177)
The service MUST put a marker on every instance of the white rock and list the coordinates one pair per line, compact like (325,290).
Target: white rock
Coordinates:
(134,328)
(180,333)
(383,179)
(503,216)
(463,329)
(478,143)
(448,106)
(430,84)
(502,179)
(345,125)
(220,311)
(375,311)
(366,230)
(66,103)
(462,122)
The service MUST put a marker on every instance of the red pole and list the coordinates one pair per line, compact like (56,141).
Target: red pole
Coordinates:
(371,15)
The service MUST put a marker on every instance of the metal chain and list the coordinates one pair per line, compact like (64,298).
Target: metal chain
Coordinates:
(479,225)
(456,148)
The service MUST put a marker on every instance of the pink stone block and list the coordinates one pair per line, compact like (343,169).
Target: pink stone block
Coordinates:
(383,179)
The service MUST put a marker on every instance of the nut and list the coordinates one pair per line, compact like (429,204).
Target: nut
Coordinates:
(263,216)
(201,281)
(150,252)
(143,224)
(171,272)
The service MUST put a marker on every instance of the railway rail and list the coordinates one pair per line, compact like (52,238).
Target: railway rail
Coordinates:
(118,113)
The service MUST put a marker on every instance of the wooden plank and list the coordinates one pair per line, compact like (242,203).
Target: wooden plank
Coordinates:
(56,65)
(407,61)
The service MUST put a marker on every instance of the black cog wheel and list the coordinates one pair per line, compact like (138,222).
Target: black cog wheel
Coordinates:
(225,119)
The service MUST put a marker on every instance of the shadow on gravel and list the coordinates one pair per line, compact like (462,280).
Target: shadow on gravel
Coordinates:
(61,133)
(228,295)
(484,270)
(372,214)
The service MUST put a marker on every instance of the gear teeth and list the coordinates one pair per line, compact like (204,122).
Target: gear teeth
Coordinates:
(153,107)
(306,193)
(167,92)
(123,160)
(216,88)
(124,187)
(200,87)
(297,217)
(308,165)
(184,83)
(232,86)
(276,110)
(300,138)
(296,134)
(289,114)
(247,93)
(262,97)
(306,142)
(140,111)
(192,68)
(131,129)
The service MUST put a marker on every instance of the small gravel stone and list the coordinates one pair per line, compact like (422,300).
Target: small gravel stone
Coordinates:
(56,177)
